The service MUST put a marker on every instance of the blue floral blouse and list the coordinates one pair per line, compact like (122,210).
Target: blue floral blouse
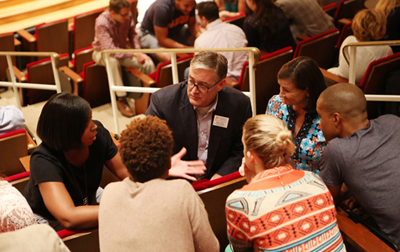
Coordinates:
(310,141)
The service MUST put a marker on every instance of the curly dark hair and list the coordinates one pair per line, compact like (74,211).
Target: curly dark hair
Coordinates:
(146,148)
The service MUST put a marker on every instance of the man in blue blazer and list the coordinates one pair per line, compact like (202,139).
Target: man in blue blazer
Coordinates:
(206,118)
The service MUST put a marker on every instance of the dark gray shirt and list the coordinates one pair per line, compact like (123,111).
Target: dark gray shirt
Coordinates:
(368,162)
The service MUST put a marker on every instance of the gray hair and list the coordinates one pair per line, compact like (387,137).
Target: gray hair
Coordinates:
(211,61)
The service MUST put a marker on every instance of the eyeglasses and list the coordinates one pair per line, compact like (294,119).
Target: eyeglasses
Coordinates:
(200,87)
(124,15)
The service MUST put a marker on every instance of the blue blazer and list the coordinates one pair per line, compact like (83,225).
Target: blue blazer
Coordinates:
(225,148)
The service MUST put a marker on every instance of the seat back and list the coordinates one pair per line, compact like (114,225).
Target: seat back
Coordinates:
(236,20)
(12,147)
(375,77)
(266,76)
(80,241)
(346,31)
(84,28)
(19,181)
(6,44)
(214,199)
(330,9)
(41,72)
(53,37)
(82,56)
(164,76)
(348,9)
(95,88)
(319,47)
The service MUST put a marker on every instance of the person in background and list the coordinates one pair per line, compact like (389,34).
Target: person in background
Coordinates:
(219,34)
(113,29)
(368,25)
(281,209)
(158,214)
(11,119)
(231,7)
(15,213)
(392,10)
(301,82)
(267,28)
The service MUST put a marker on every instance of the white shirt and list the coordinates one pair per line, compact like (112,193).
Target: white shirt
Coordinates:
(219,34)
(11,118)
(364,56)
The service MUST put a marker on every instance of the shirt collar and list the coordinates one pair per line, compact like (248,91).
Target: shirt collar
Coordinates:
(210,108)
(213,24)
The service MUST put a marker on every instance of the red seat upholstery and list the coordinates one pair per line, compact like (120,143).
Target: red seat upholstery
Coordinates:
(205,183)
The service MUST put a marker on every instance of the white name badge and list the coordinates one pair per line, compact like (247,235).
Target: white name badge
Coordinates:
(221,121)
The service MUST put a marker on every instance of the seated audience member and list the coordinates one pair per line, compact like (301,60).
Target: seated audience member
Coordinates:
(219,34)
(231,7)
(170,24)
(15,213)
(362,154)
(11,118)
(34,238)
(392,10)
(368,25)
(205,117)
(267,28)
(279,198)
(145,211)
(301,83)
(66,168)
(306,17)
(113,27)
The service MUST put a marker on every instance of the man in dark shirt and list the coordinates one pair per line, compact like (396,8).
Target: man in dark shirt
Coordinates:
(170,24)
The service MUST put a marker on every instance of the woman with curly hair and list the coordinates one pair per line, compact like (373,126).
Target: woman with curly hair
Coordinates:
(368,25)
(281,209)
(267,28)
(145,211)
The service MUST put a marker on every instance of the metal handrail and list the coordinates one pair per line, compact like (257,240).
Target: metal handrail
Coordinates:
(254,57)
(14,84)
(353,50)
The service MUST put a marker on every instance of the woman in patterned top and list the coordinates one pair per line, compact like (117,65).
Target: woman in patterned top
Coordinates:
(301,82)
(281,209)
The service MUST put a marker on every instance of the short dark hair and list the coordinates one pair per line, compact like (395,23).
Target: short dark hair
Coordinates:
(146,148)
(304,73)
(117,5)
(62,121)
(209,10)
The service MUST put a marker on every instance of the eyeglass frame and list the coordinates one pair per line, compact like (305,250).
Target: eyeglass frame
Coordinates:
(197,85)
(125,15)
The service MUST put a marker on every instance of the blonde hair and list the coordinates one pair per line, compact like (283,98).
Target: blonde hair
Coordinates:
(269,138)
(368,24)
(387,5)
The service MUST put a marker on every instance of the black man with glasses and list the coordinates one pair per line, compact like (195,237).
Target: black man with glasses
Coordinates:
(206,118)
(113,27)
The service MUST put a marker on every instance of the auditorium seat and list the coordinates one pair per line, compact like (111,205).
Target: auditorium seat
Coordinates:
(319,47)
(19,180)
(266,76)
(330,9)
(83,28)
(236,20)
(214,199)
(80,240)
(163,74)
(373,80)
(13,145)
(345,32)
(347,9)
(7,44)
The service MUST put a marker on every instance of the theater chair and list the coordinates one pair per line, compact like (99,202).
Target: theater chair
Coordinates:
(163,75)
(48,37)
(19,180)
(214,194)
(80,240)
(7,44)
(347,9)
(330,9)
(357,237)
(346,31)
(266,81)
(236,20)
(13,145)
(319,47)
(373,80)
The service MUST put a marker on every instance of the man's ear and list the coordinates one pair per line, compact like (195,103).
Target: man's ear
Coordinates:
(337,119)
(221,84)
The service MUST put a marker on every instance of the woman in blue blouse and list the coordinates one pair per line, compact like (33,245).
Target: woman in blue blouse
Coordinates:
(301,82)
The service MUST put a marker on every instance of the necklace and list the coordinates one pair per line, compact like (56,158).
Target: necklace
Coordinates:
(84,199)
